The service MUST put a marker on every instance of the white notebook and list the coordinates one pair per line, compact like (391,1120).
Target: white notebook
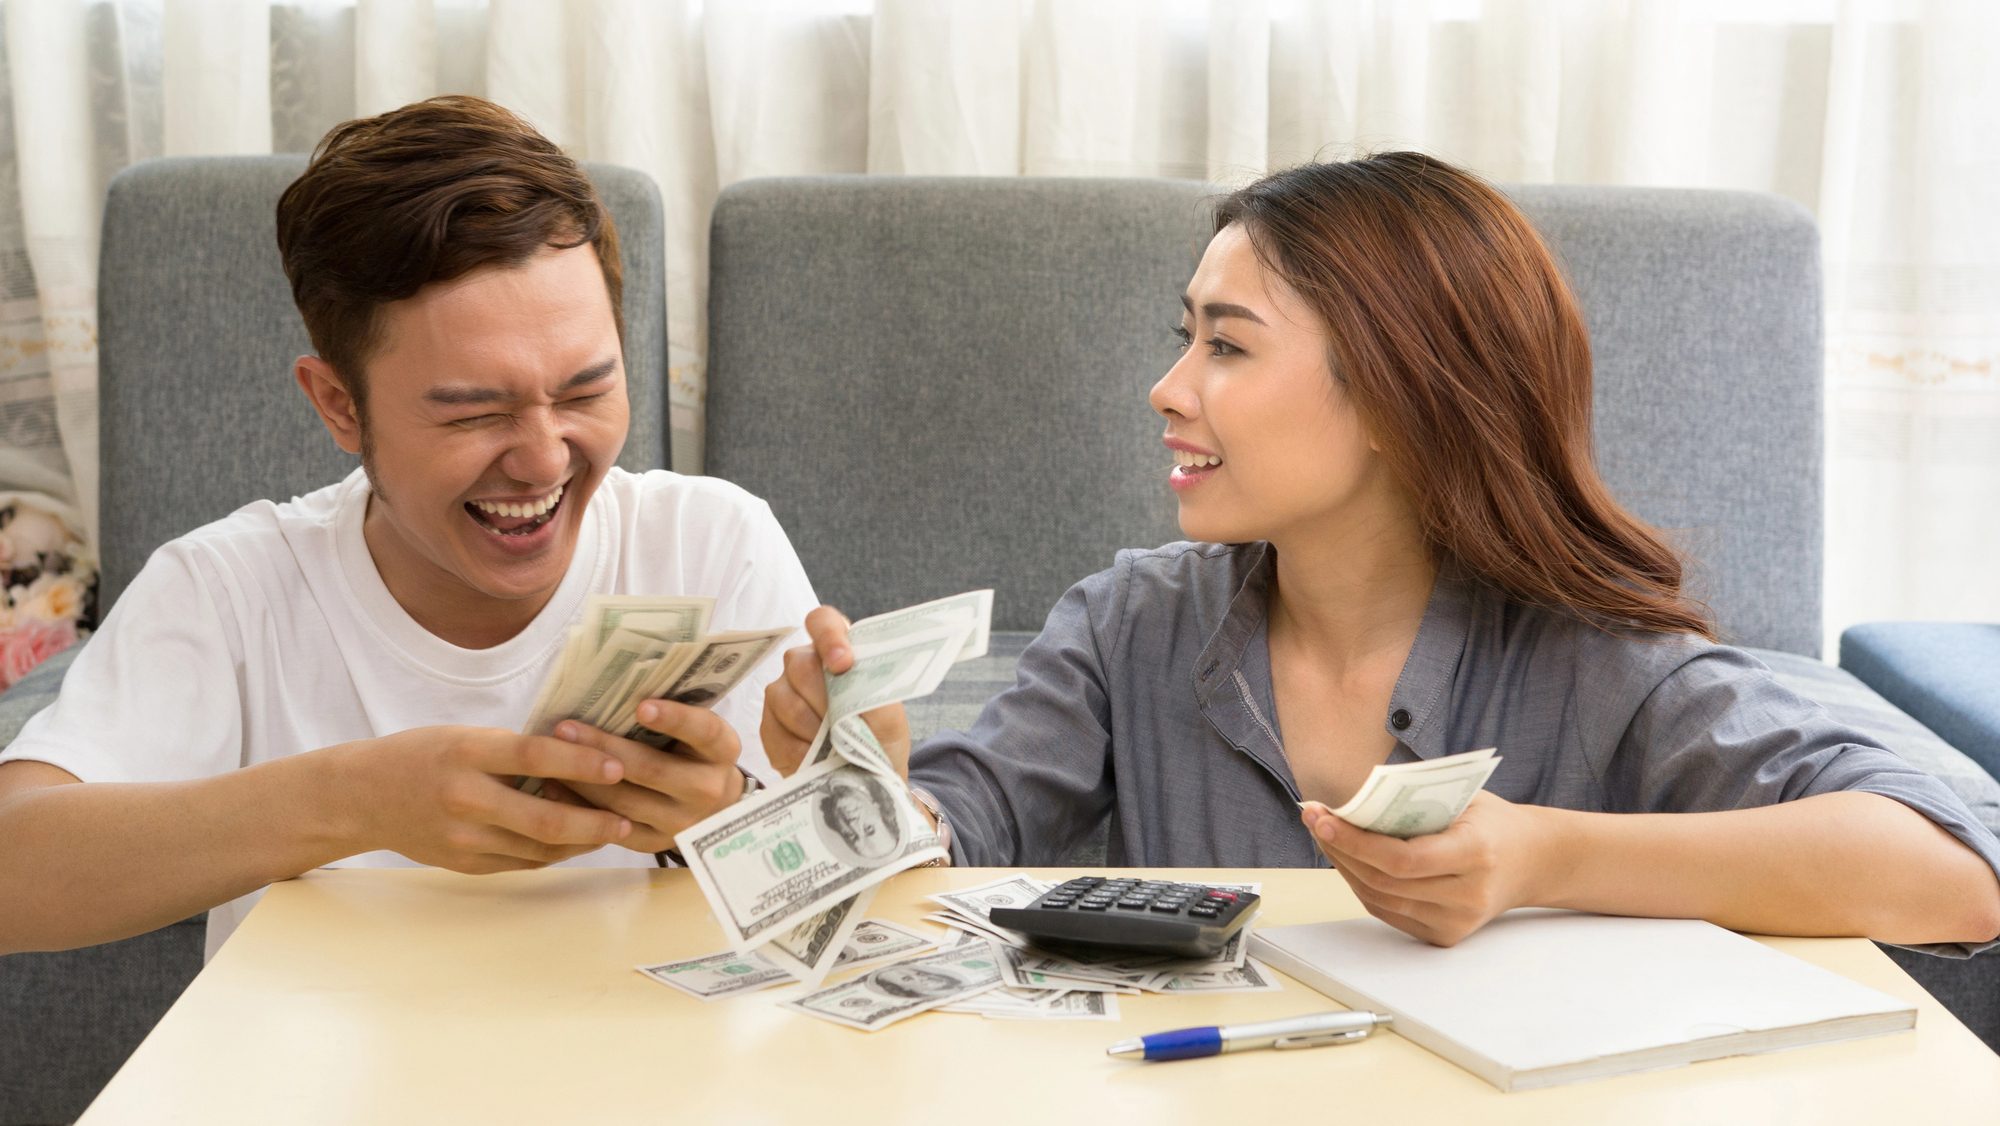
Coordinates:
(1540,997)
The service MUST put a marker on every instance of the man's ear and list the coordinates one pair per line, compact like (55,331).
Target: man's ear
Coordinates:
(330,397)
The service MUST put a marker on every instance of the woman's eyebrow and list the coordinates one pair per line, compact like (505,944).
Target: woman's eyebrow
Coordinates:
(1216,310)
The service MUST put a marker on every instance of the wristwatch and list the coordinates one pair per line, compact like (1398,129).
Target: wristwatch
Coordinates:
(751,784)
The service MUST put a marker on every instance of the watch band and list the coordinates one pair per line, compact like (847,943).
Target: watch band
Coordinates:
(930,804)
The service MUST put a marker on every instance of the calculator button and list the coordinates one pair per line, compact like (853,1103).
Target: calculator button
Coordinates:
(1092,905)
(1166,909)
(1222,896)
(1205,911)
(1131,905)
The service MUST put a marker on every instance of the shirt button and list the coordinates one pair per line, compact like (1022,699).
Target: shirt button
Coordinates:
(1400,719)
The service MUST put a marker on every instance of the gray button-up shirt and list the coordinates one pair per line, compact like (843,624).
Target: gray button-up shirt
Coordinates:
(1146,701)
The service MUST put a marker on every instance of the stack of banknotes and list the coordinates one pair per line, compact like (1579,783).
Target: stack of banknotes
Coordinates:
(626,650)
(1414,799)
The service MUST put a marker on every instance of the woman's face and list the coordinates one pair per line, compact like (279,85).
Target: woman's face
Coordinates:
(1265,443)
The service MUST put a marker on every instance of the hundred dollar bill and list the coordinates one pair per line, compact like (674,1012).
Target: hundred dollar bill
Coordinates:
(976,904)
(886,994)
(1064,1006)
(1412,799)
(902,655)
(733,973)
(807,950)
(826,833)
(1253,977)
(705,674)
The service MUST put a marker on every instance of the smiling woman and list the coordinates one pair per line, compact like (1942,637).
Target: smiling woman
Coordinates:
(1380,429)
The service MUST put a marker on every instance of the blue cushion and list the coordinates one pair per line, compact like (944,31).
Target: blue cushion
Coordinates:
(1946,674)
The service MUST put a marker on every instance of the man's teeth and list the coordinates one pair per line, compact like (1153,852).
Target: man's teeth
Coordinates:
(1187,460)
(520,510)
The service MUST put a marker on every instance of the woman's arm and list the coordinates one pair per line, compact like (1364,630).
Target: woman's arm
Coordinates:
(1833,864)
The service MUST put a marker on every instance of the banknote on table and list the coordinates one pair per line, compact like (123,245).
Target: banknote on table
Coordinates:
(1252,977)
(733,973)
(886,994)
(802,950)
(976,904)
(1068,1006)
(1412,799)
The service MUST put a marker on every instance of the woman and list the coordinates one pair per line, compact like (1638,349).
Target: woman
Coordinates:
(1380,430)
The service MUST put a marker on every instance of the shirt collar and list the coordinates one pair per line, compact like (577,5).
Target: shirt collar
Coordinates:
(1422,688)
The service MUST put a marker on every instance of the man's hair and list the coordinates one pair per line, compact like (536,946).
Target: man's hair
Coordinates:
(423,194)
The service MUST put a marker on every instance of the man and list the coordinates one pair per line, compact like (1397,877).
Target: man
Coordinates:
(338,679)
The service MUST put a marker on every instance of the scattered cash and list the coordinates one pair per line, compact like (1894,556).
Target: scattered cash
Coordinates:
(732,974)
(629,649)
(784,866)
(1412,799)
(887,994)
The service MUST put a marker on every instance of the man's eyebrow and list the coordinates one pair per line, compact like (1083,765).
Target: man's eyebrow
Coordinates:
(475,396)
(1216,310)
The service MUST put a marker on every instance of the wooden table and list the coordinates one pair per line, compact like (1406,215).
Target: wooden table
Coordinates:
(382,996)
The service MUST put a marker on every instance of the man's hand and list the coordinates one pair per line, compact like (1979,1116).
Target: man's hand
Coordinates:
(446,796)
(1444,886)
(795,703)
(662,792)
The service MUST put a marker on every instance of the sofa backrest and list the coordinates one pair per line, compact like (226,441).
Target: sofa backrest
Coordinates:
(940,383)
(197,333)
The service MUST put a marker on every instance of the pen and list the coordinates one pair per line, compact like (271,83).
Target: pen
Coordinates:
(1293,1032)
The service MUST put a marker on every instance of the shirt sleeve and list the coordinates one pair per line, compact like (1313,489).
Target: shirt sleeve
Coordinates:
(769,589)
(1721,733)
(154,695)
(1032,779)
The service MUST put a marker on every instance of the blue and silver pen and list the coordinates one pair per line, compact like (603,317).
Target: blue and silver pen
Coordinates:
(1293,1032)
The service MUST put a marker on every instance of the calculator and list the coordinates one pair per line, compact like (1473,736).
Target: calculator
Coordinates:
(1152,916)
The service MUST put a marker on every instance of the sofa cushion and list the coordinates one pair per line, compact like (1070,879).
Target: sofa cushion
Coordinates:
(33,692)
(1945,674)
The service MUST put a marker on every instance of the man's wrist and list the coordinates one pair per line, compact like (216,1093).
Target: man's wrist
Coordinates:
(751,784)
(931,809)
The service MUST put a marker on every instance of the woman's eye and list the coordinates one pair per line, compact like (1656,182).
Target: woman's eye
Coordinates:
(1220,347)
(1181,334)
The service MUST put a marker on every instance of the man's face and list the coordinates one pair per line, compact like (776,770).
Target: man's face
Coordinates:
(495,405)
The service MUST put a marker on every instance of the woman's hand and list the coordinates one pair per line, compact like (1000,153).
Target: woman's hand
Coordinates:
(795,703)
(1444,886)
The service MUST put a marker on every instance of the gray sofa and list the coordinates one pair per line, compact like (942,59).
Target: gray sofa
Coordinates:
(940,384)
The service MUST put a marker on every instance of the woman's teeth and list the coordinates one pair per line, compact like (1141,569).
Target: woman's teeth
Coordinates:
(1187,460)
(520,510)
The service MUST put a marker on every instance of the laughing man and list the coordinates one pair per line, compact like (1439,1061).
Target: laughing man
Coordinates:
(337,679)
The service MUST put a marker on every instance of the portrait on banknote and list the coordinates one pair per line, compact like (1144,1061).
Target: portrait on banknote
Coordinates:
(857,820)
(907,981)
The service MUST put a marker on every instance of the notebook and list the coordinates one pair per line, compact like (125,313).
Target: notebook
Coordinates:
(1541,997)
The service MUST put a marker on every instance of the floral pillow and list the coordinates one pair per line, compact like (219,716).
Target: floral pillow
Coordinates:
(50,583)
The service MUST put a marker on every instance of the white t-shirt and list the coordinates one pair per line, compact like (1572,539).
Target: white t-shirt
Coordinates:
(270,632)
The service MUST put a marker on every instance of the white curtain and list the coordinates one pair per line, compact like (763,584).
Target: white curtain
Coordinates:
(1878,115)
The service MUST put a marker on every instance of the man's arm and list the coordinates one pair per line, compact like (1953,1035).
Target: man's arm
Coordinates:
(82,863)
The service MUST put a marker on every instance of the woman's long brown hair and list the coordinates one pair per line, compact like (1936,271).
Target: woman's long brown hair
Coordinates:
(1460,344)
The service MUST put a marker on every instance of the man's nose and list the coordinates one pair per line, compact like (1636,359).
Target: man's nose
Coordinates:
(540,454)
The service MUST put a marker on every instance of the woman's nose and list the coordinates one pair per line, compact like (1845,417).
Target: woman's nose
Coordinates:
(1174,394)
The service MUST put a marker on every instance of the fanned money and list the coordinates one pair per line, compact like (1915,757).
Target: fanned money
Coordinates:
(1413,799)
(887,994)
(783,866)
(733,974)
(626,650)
